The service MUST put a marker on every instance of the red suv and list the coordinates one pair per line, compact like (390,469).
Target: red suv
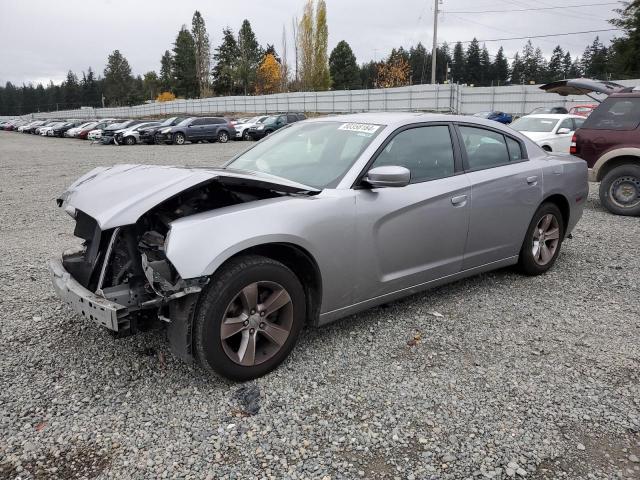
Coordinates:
(609,141)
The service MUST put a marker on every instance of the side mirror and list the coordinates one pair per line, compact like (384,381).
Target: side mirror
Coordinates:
(563,131)
(388,176)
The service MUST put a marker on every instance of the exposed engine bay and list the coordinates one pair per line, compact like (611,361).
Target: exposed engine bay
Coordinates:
(127,265)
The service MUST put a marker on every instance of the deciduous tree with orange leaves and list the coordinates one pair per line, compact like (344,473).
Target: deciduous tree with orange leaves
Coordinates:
(269,75)
(165,97)
(395,72)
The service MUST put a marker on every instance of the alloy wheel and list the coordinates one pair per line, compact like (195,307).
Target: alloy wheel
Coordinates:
(256,323)
(546,238)
(625,191)
(223,137)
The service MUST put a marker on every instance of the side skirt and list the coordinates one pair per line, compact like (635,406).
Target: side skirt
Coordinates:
(333,315)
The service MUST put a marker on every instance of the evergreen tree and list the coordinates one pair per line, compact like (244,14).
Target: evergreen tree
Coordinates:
(343,67)
(250,56)
(89,87)
(540,72)
(566,65)
(576,69)
(625,57)
(458,67)
(594,60)
(485,67)
(225,70)
(500,68)
(202,52)
(473,66)
(321,77)
(117,79)
(556,65)
(166,75)
(529,66)
(71,89)
(368,73)
(135,95)
(517,70)
(150,85)
(183,69)
(443,61)
(420,62)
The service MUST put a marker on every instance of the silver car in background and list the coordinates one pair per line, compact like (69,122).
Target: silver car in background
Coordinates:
(322,219)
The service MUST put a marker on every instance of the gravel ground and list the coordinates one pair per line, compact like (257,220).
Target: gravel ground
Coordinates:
(498,376)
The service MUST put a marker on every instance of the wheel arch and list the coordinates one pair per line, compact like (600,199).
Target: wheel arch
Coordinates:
(300,262)
(562,203)
(608,164)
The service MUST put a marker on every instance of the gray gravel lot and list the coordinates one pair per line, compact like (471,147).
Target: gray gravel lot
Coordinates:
(498,376)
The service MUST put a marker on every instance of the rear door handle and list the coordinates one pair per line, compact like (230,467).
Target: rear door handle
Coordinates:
(459,201)
(532,180)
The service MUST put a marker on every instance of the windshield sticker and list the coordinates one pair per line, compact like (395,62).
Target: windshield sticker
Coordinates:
(359,127)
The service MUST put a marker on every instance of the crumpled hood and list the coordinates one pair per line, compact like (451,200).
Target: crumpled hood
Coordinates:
(120,195)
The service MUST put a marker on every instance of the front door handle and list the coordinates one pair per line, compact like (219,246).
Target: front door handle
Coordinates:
(459,201)
(532,180)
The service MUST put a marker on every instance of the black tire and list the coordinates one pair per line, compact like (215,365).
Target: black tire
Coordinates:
(130,140)
(621,179)
(527,263)
(267,132)
(221,292)
(223,136)
(179,139)
(245,135)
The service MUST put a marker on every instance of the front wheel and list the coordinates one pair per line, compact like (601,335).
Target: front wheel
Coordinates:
(620,190)
(248,318)
(542,241)
(223,137)
(129,141)
(246,136)
(179,139)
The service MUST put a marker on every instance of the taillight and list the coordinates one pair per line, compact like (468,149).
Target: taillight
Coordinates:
(573,147)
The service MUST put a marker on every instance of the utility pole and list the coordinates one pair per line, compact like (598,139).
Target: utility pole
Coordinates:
(435,41)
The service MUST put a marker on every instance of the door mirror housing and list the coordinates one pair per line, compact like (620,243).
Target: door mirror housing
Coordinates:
(388,176)
(563,131)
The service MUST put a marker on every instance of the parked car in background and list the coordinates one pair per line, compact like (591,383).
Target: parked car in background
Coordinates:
(109,132)
(83,133)
(197,129)
(60,130)
(609,141)
(44,130)
(46,124)
(34,123)
(552,132)
(242,129)
(273,123)
(558,110)
(14,124)
(583,110)
(131,135)
(73,132)
(323,220)
(496,116)
(148,133)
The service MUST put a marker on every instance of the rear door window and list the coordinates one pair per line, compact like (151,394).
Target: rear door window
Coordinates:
(615,113)
(484,148)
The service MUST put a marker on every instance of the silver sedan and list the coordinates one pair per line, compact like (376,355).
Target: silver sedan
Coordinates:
(322,219)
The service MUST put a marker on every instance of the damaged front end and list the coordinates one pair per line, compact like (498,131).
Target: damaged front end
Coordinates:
(121,277)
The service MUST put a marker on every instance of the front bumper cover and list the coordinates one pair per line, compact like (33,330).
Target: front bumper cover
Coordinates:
(86,303)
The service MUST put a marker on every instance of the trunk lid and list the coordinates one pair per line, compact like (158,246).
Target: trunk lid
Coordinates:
(581,86)
(120,195)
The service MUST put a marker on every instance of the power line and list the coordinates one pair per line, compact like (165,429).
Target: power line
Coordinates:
(542,36)
(532,9)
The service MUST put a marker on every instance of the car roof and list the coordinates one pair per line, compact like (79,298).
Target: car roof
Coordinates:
(552,115)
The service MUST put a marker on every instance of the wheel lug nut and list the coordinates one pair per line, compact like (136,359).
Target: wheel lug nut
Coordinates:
(252,330)
(245,323)
(262,314)
(253,311)
(262,325)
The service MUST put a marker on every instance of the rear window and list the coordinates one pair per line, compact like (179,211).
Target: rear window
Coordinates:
(615,113)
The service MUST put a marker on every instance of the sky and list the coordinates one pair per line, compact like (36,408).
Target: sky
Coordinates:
(42,39)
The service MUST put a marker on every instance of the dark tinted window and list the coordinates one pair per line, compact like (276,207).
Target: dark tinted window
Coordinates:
(198,121)
(217,121)
(577,123)
(426,151)
(615,113)
(485,148)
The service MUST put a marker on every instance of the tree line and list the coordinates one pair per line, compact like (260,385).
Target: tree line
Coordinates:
(240,65)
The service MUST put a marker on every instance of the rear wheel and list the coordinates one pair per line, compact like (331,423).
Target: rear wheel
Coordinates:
(249,317)
(543,240)
(620,190)
(223,137)
(179,139)
(130,140)
(246,136)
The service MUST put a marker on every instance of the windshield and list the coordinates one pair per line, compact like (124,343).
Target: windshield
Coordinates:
(186,122)
(534,124)
(168,122)
(269,120)
(317,154)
